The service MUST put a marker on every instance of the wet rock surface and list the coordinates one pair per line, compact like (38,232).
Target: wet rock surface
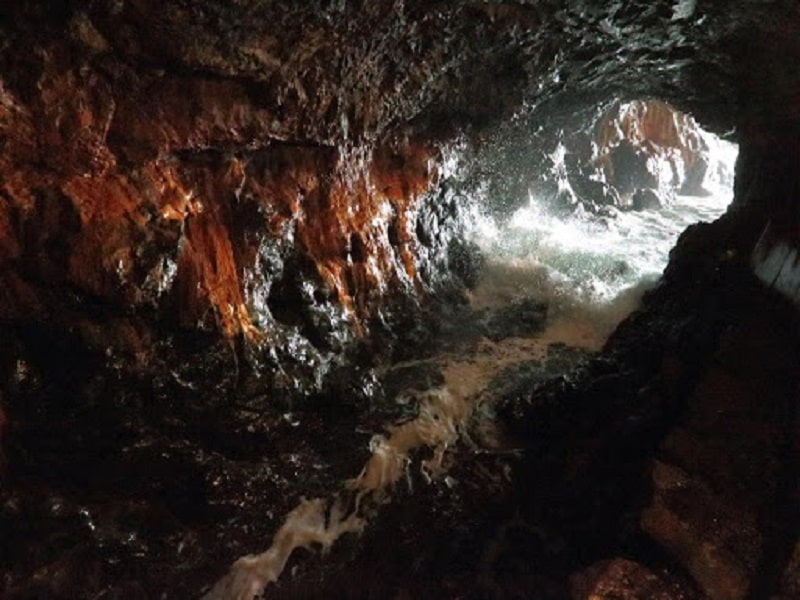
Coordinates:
(635,155)
(626,580)
(669,450)
(229,243)
(173,493)
(645,199)
(712,494)
(173,163)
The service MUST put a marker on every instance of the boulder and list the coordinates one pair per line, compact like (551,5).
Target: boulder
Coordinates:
(645,199)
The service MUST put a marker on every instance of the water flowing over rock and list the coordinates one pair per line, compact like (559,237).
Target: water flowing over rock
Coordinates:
(234,261)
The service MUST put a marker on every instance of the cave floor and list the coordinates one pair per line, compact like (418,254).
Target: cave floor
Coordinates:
(661,467)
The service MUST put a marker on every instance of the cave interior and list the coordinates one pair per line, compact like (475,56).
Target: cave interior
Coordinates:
(253,343)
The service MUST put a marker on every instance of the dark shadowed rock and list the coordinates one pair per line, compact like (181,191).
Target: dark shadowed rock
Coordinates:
(596,193)
(621,579)
(521,319)
(645,199)
(718,544)
(630,169)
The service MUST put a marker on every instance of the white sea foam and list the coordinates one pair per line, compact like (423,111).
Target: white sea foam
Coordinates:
(591,270)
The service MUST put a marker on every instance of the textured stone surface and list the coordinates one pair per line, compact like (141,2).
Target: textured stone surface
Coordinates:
(621,579)
(140,138)
(725,476)
(659,135)
(216,216)
(717,543)
(721,499)
(706,369)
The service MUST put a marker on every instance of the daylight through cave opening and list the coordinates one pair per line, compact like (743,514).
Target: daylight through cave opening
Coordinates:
(594,218)
(554,278)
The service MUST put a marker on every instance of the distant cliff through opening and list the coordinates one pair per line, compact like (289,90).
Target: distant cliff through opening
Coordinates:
(589,226)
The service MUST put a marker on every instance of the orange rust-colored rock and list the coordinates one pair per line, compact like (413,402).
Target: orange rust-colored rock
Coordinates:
(650,123)
(208,283)
(654,130)
(364,241)
(105,187)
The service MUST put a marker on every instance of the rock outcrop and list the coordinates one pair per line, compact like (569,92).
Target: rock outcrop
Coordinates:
(649,145)
(630,156)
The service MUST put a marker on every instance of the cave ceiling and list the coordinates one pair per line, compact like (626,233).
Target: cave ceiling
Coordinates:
(331,71)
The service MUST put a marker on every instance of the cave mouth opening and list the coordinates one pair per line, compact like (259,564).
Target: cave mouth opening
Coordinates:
(594,219)
(563,263)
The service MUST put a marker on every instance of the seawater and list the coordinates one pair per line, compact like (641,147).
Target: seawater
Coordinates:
(590,270)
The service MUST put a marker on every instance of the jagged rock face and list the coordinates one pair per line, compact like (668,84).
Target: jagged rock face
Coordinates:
(207,208)
(200,195)
(191,214)
(634,155)
(136,136)
(648,145)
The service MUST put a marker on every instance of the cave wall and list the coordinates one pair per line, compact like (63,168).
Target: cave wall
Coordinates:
(168,162)
(128,194)
(160,170)
(207,208)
